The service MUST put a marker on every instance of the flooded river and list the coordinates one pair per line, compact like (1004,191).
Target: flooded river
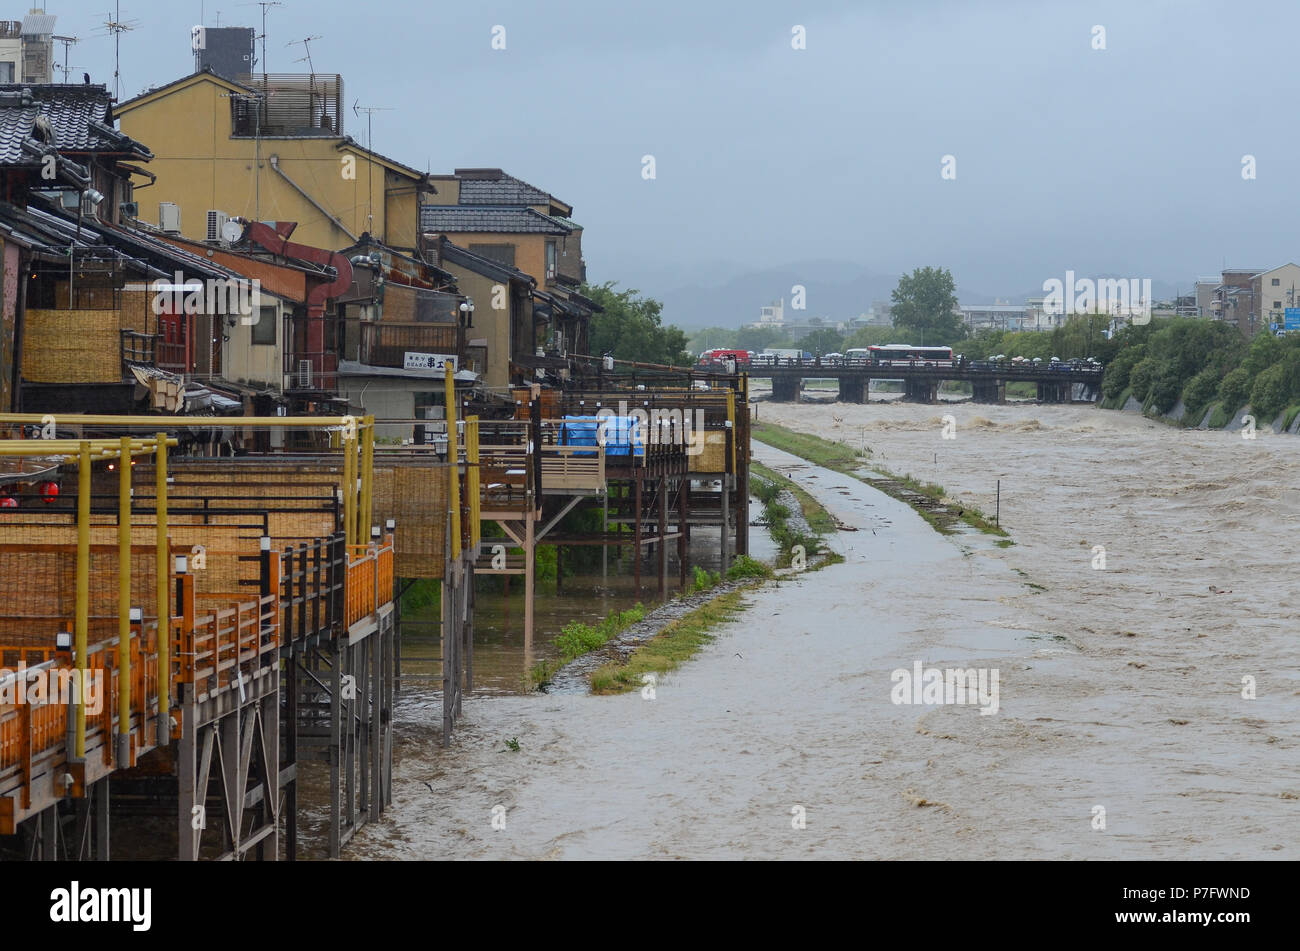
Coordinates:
(1120,731)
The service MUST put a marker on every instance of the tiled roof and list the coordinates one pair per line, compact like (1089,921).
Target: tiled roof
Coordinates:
(462,218)
(506,190)
(78,117)
(455,254)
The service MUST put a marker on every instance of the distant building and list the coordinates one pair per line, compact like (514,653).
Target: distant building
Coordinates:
(996,317)
(27,49)
(773,315)
(1255,299)
(1204,295)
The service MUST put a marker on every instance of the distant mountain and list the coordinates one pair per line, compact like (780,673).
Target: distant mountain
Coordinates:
(833,289)
(836,290)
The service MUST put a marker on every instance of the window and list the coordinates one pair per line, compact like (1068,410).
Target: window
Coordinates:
(264,329)
(1277,281)
(6,72)
(501,253)
(1277,305)
(550,259)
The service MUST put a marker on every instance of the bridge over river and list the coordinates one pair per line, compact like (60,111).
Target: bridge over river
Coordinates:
(1056,383)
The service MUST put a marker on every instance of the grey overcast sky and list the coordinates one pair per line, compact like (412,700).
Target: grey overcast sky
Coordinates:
(1121,161)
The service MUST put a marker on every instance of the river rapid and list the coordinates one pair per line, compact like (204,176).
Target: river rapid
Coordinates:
(1121,729)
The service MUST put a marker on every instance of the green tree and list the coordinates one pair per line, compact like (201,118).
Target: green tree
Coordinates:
(713,338)
(924,303)
(874,337)
(1199,392)
(1118,370)
(760,338)
(1143,375)
(1234,391)
(1269,395)
(632,327)
(821,341)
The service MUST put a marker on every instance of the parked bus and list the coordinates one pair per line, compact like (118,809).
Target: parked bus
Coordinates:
(903,355)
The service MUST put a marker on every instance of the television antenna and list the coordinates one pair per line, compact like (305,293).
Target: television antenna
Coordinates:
(266,5)
(68,42)
(306,44)
(115,26)
(370,111)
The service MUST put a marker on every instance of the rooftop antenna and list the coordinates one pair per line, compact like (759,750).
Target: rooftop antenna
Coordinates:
(306,44)
(68,42)
(370,111)
(115,26)
(265,5)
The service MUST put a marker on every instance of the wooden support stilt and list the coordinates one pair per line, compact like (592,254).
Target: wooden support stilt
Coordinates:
(663,530)
(683,513)
(636,538)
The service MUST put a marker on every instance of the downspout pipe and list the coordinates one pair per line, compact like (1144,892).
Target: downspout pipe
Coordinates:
(275,165)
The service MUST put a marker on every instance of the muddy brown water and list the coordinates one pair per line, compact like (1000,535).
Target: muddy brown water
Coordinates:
(1120,688)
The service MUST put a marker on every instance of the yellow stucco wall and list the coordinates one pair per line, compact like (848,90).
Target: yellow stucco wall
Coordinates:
(490,325)
(530,250)
(201,167)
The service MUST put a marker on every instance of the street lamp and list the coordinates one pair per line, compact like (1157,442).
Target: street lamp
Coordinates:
(467,312)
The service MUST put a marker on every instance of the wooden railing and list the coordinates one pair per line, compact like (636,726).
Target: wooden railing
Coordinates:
(573,467)
(31,727)
(220,641)
(370,580)
(222,634)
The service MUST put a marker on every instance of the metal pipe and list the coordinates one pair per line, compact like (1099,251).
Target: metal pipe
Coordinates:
(164,611)
(349,488)
(83,591)
(453,455)
(128,422)
(367,478)
(124,603)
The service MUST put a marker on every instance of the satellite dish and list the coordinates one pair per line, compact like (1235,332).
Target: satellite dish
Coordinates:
(232,231)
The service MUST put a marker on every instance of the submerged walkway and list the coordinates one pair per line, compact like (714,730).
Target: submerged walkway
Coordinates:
(791,707)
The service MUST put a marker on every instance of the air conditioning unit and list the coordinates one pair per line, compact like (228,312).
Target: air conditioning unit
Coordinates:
(169,217)
(304,374)
(216,221)
(130,209)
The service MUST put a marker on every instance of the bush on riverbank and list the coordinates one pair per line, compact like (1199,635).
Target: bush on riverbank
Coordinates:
(1209,367)
(578,638)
